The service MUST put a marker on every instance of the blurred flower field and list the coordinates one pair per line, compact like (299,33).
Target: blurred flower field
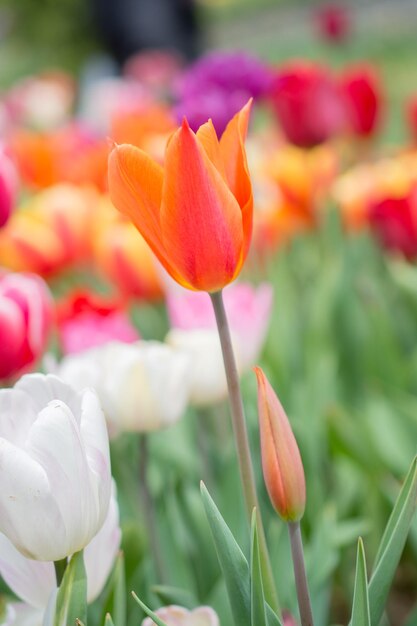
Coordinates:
(124,216)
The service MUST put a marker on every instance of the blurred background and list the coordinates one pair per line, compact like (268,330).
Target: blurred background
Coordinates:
(333,160)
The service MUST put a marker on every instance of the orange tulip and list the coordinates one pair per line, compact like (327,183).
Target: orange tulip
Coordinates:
(281,462)
(196,211)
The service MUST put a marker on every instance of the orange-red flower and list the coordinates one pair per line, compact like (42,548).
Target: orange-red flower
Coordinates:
(281,462)
(196,211)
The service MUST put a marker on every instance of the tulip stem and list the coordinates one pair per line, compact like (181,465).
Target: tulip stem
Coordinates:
(242,444)
(60,567)
(148,508)
(301,584)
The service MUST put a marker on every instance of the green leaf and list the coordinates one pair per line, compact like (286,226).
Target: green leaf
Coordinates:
(115,603)
(175,595)
(258,616)
(392,545)
(148,611)
(71,602)
(232,562)
(108,620)
(360,607)
(271,617)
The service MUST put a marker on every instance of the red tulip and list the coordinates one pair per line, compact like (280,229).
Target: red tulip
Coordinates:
(394,221)
(308,104)
(333,21)
(25,321)
(86,320)
(362,93)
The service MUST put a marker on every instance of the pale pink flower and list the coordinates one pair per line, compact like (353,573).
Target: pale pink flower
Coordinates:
(248,310)
(178,616)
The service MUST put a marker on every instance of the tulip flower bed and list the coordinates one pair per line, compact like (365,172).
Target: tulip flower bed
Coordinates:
(253,224)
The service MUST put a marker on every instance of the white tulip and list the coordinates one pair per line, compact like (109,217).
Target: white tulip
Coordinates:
(207,376)
(55,477)
(142,386)
(34,582)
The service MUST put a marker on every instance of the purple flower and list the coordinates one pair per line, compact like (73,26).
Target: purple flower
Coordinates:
(218,85)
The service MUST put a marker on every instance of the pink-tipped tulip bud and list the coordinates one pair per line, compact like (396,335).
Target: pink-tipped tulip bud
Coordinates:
(281,461)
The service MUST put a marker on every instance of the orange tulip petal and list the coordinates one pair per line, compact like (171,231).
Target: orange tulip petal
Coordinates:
(135,188)
(201,220)
(237,172)
(207,135)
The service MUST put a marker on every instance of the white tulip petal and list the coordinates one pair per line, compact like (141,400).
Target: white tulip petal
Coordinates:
(102,550)
(66,465)
(17,415)
(21,614)
(43,389)
(29,515)
(30,580)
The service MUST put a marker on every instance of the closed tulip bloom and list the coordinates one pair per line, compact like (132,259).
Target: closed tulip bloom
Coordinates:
(178,616)
(361,91)
(281,462)
(307,103)
(142,386)
(55,481)
(25,320)
(34,581)
(196,211)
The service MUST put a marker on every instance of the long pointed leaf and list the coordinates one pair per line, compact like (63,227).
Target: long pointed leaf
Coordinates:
(392,545)
(232,562)
(258,616)
(148,611)
(360,608)
(71,602)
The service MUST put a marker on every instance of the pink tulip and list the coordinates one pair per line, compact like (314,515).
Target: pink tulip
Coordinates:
(248,310)
(25,320)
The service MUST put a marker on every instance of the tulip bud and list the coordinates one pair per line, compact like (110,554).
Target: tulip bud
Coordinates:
(281,462)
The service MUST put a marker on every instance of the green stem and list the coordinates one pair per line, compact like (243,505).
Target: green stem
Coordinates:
(242,445)
(301,584)
(60,567)
(149,509)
